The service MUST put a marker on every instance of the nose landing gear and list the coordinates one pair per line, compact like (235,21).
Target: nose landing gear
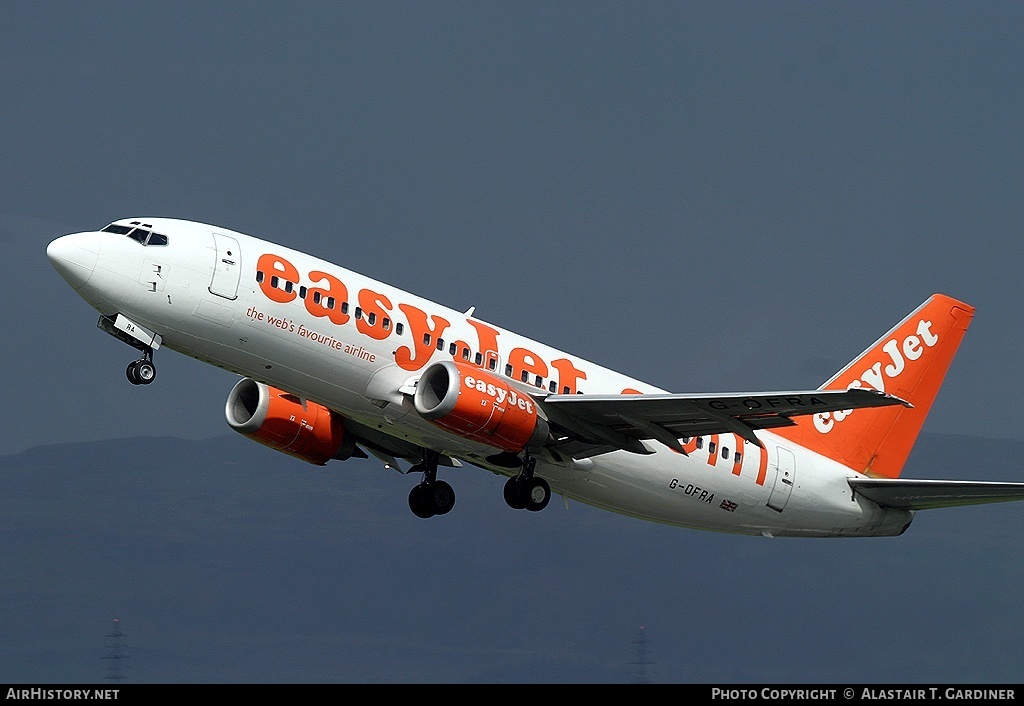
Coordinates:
(143,371)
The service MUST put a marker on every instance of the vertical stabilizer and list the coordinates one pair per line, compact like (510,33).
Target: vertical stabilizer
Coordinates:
(910,362)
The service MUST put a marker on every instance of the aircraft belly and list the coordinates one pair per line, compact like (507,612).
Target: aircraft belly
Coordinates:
(822,504)
(689,492)
(664,487)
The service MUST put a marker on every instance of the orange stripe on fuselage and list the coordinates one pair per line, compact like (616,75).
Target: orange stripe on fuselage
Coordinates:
(762,466)
(713,450)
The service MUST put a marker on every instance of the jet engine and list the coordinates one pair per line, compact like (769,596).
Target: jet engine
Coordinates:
(286,423)
(476,405)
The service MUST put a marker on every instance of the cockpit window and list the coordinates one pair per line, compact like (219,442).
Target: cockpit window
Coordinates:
(141,235)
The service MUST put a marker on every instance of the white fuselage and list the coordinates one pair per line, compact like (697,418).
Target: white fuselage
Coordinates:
(233,300)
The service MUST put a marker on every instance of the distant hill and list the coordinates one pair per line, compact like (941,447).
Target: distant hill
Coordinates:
(226,562)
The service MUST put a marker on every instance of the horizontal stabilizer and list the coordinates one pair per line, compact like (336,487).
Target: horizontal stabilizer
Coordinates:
(905,494)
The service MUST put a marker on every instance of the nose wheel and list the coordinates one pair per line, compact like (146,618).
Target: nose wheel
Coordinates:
(138,372)
(143,371)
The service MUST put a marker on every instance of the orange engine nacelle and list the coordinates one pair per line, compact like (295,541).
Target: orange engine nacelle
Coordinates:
(474,404)
(281,421)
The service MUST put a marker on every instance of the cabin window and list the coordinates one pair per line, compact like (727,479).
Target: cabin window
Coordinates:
(711,447)
(508,369)
(725,452)
(440,344)
(359,313)
(453,349)
(700,442)
(426,339)
(274,281)
(330,302)
(399,328)
(386,323)
(465,354)
(344,307)
(302,292)
(552,386)
(259,275)
(317,296)
(371,319)
(479,358)
(738,459)
(288,286)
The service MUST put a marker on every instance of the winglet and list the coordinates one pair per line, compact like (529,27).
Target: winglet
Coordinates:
(910,362)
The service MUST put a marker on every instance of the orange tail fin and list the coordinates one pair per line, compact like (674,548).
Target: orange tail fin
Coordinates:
(910,362)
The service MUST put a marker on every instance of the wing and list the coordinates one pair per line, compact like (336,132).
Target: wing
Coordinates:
(929,494)
(593,424)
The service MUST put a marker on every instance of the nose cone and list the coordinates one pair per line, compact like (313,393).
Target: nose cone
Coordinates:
(74,257)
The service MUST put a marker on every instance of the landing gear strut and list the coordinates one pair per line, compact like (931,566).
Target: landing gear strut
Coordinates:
(142,371)
(431,496)
(527,491)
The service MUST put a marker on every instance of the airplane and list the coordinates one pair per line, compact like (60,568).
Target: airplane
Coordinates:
(334,365)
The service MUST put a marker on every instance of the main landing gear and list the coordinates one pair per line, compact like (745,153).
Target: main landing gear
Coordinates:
(142,371)
(431,496)
(527,491)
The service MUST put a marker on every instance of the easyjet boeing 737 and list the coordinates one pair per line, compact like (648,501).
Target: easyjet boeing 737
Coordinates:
(336,365)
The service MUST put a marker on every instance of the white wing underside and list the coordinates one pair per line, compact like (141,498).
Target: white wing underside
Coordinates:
(595,424)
